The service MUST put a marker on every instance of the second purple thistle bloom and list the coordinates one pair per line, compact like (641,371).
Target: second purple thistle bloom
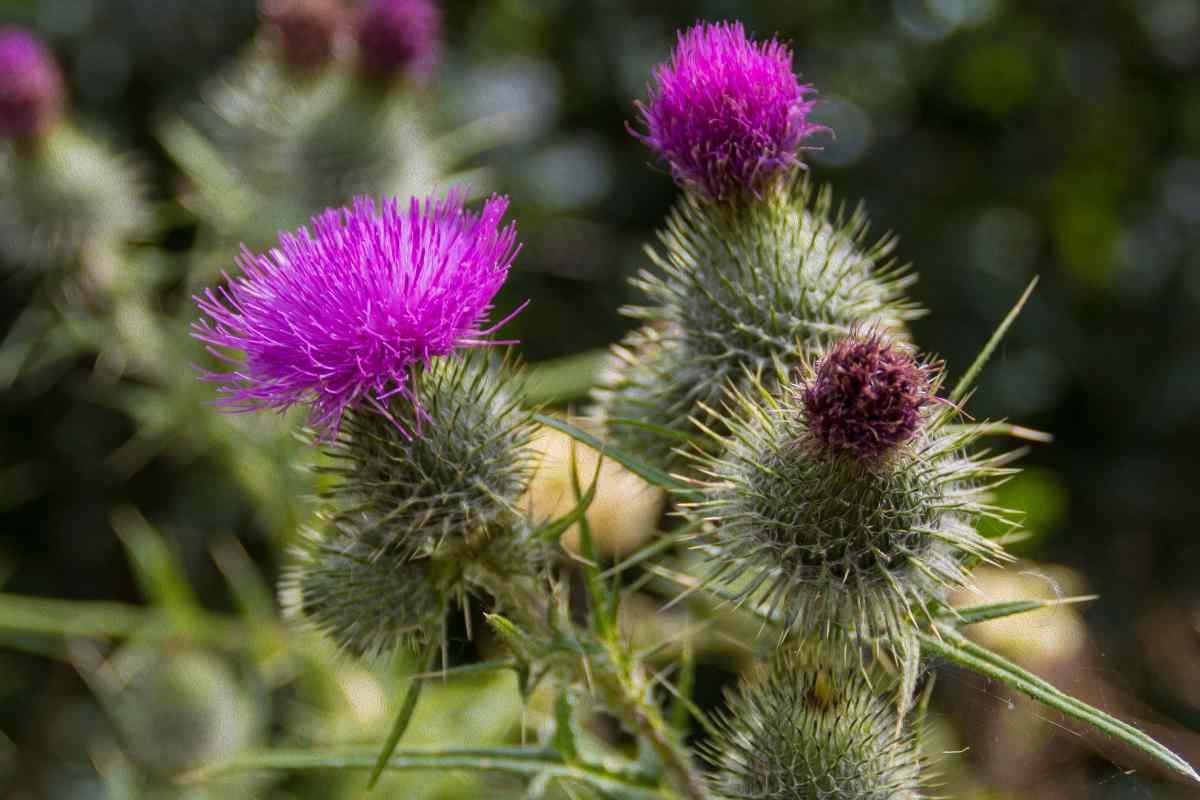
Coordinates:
(340,317)
(727,113)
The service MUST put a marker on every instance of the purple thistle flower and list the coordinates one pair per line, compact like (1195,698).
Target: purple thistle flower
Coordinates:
(31,87)
(339,319)
(727,114)
(399,36)
(305,29)
(865,396)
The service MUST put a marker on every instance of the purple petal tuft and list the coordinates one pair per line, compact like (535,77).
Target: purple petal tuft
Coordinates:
(727,113)
(866,397)
(399,36)
(339,317)
(306,30)
(31,87)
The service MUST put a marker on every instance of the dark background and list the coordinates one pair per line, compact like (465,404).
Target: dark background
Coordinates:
(999,139)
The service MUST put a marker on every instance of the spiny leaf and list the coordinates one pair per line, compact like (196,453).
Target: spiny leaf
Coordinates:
(402,719)
(968,378)
(651,474)
(953,646)
(563,379)
(982,613)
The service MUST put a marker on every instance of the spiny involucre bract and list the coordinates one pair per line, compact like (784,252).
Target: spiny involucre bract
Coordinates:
(366,601)
(804,728)
(740,290)
(458,484)
(842,538)
(338,318)
(726,113)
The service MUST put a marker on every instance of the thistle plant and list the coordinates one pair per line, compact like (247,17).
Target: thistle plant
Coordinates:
(758,268)
(306,32)
(848,502)
(834,491)
(810,725)
(65,198)
(31,94)
(826,489)
(325,104)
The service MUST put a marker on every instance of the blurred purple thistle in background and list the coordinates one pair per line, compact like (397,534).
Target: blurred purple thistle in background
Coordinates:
(307,30)
(338,319)
(727,113)
(31,86)
(399,36)
(866,396)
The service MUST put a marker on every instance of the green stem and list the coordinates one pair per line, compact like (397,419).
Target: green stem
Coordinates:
(608,678)
(650,725)
(100,619)
(524,762)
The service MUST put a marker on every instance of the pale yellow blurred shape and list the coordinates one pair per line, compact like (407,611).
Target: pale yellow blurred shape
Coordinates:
(625,511)
(1035,638)
(365,699)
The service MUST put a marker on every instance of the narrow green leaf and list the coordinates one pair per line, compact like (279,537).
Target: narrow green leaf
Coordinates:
(402,719)
(651,474)
(524,762)
(658,543)
(681,704)
(102,619)
(246,583)
(161,577)
(1000,429)
(953,646)
(564,731)
(975,614)
(657,430)
(555,528)
(563,379)
(968,378)
(477,668)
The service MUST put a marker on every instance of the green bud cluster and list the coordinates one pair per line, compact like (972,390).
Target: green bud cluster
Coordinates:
(742,288)
(408,514)
(265,149)
(807,728)
(65,199)
(332,578)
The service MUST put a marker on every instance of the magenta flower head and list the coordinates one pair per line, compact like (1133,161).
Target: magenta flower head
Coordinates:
(31,86)
(306,30)
(865,397)
(399,36)
(340,317)
(727,114)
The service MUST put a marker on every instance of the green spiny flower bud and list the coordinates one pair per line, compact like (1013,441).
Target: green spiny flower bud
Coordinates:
(359,141)
(66,199)
(803,729)
(838,539)
(278,144)
(368,602)
(744,289)
(454,482)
